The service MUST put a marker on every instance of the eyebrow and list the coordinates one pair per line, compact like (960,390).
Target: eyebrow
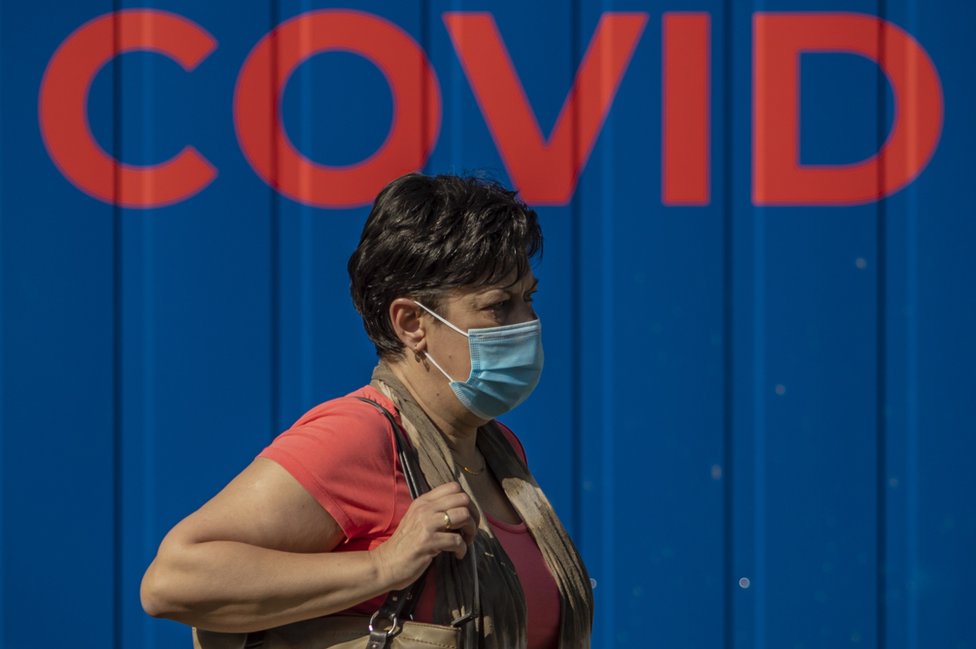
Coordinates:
(504,289)
(508,288)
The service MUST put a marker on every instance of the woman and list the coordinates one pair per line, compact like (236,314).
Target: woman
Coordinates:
(322,521)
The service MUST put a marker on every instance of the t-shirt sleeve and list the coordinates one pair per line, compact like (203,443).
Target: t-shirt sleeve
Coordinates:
(343,454)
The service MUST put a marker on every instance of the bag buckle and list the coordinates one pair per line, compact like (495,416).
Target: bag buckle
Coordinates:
(392,630)
(380,638)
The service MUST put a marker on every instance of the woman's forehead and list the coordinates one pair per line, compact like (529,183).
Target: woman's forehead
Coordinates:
(508,285)
(511,282)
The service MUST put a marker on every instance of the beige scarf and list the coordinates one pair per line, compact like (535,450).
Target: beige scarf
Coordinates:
(503,620)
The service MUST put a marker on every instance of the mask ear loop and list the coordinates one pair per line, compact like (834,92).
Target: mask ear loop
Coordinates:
(463,333)
(427,354)
(437,365)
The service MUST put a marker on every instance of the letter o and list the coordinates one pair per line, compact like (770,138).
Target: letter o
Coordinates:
(257,101)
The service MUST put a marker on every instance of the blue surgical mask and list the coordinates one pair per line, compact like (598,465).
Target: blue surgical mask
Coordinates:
(506,363)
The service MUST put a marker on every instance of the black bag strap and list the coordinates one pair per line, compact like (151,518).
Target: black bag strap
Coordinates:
(401,603)
(408,459)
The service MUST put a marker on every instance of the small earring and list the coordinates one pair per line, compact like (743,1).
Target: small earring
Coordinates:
(417,356)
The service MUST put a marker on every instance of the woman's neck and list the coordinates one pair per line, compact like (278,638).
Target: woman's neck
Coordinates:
(431,391)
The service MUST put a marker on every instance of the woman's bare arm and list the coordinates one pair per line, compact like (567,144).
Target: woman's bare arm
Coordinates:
(258,555)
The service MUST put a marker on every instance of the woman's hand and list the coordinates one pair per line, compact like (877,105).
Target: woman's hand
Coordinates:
(423,533)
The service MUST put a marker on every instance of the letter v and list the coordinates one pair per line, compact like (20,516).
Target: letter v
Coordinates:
(545,172)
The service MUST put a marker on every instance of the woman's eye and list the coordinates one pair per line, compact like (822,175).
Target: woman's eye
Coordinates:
(497,309)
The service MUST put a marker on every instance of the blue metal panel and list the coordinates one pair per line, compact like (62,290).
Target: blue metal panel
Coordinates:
(196,382)
(652,349)
(805,362)
(58,266)
(930,515)
(754,420)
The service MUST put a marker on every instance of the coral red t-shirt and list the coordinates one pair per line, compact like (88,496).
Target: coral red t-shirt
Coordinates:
(344,454)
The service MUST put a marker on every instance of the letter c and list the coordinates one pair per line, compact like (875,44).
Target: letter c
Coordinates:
(63,108)
(265,73)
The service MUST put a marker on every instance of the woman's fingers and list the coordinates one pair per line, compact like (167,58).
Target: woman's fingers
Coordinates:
(453,511)
(453,518)
(462,521)
(447,488)
(446,499)
(442,520)
(452,542)
(450,498)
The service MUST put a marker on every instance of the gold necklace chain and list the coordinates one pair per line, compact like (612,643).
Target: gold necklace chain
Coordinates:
(471,471)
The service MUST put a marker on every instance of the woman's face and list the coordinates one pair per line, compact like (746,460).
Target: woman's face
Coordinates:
(495,305)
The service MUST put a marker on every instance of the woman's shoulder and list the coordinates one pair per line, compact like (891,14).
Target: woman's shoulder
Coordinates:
(343,452)
(351,406)
(345,432)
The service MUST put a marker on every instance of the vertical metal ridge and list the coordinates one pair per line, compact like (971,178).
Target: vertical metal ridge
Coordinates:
(728,530)
(758,387)
(881,342)
(3,365)
(425,81)
(117,503)
(3,617)
(575,334)
(275,235)
(607,529)
(759,414)
(911,379)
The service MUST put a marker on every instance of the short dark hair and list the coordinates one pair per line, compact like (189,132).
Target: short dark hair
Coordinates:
(428,234)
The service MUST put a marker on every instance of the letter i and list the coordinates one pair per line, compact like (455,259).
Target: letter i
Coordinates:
(685,113)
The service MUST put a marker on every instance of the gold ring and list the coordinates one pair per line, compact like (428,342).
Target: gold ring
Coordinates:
(447,521)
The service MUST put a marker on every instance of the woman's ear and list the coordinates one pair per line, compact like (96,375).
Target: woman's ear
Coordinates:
(405,316)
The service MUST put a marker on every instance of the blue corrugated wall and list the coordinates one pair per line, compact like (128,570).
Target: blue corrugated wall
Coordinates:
(756,418)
